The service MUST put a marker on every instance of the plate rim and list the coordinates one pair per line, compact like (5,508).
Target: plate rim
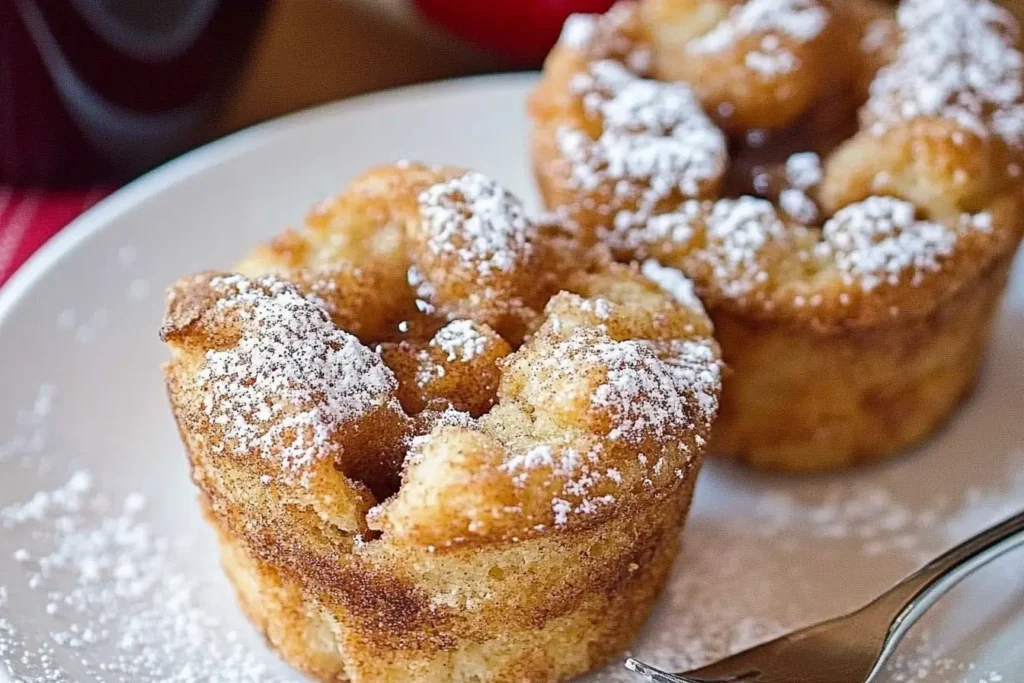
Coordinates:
(99,216)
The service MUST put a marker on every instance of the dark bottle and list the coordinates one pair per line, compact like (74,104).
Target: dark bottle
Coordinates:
(100,90)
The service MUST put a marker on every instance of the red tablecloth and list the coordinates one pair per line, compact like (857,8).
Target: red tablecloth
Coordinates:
(30,217)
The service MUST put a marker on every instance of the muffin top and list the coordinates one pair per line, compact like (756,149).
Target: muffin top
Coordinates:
(423,360)
(838,164)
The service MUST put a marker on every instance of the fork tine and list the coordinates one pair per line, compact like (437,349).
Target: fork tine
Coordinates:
(654,675)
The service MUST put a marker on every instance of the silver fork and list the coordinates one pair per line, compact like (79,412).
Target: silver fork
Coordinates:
(853,648)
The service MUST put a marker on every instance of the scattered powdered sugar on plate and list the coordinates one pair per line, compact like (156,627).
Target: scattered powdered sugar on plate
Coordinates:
(733,586)
(29,439)
(66,320)
(982,508)
(87,330)
(117,608)
(90,591)
(926,662)
(127,255)
(713,605)
(870,517)
(138,289)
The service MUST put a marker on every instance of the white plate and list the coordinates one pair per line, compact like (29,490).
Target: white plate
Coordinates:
(100,587)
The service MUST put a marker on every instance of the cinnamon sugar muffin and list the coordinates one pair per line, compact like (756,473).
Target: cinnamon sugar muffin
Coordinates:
(405,489)
(840,180)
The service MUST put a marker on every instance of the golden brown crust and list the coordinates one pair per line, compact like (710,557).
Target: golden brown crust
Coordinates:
(467,494)
(518,635)
(694,41)
(894,225)
(804,403)
(428,375)
(810,277)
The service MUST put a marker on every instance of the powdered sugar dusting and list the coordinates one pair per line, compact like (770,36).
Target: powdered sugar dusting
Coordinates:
(737,231)
(695,365)
(872,518)
(675,283)
(656,141)
(449,417)
(647,397)
(608,35)
(799,20)
(648,392)
(479,221)
(798,205)
(803,170)
(292,379)
(677,227)
(461,340)
(578,30)
(878,34)
(957,61)
(879,240)
(572,476)
(770,59)
(639,390)
(869,516)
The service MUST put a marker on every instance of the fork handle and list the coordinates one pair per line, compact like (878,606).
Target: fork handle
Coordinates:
(911,598)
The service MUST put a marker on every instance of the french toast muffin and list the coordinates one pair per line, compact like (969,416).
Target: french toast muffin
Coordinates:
(438,440)
(840,180)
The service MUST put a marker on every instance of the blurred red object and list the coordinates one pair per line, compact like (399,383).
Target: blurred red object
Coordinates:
(522,31)
(30,217)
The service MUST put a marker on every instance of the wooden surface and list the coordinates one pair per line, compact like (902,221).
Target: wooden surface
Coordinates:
(314,51)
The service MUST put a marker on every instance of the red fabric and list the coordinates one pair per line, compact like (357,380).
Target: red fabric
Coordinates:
(30,217)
